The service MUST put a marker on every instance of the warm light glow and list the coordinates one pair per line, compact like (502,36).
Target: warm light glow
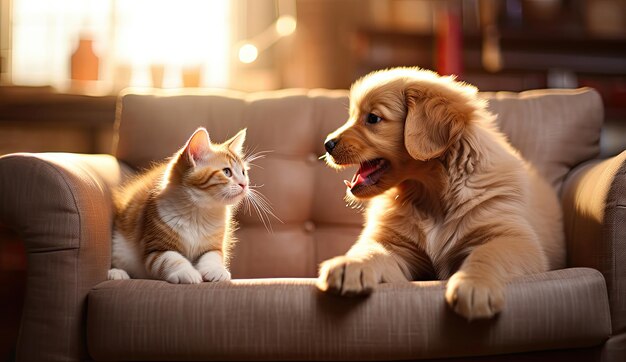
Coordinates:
(248,53)
(285,25)
(131,37)
(178,35)
(45,33)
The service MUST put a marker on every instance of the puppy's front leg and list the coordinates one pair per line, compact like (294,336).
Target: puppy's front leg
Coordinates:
(358,272)
(477,289)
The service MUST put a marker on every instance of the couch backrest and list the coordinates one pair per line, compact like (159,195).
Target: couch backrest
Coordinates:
(554,129)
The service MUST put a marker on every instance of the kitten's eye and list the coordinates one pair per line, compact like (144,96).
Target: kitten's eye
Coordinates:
(372,118)
(243,172)
(227,171)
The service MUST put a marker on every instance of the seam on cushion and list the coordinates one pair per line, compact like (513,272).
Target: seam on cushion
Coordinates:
(337,224)
(315,101)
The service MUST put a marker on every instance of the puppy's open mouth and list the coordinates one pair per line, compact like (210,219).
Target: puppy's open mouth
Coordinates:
(368,174)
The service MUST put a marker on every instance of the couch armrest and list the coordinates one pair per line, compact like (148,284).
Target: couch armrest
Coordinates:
(60,206)
(594,214)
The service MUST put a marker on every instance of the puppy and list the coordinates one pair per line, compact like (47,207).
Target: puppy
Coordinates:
(448,196)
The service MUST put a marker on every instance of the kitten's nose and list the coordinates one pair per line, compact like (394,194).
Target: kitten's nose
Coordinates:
(330,145)
(243,186)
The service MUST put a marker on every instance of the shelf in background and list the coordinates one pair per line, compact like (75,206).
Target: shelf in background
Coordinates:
(40,119)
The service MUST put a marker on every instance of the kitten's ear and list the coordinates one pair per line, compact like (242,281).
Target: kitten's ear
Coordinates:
(235,144)
(198,146)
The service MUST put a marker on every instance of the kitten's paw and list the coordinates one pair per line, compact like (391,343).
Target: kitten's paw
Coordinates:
(474,297)
(184,274)
(346,276)
(211,267)
(214,273)
(117,274)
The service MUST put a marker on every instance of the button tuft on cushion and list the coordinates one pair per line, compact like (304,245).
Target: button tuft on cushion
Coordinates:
(312,158)
(309,226)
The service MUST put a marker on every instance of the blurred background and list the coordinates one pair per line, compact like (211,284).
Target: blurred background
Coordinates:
(63,62)
(98,47)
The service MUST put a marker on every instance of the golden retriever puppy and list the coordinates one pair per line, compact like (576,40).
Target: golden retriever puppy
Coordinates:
(448,196)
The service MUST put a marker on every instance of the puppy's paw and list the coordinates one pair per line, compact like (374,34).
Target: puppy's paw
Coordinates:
(346,276)
(214,273)
(474,297)
(184,273)
(117,274)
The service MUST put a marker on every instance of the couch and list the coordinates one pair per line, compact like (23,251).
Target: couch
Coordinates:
(60,206)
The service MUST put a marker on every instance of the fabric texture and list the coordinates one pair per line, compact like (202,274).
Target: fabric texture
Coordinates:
(594,206)
(288,319)
(554,129)
(59,204)
(306,195)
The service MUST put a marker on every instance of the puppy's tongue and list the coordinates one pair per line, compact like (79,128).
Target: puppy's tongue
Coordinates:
(364,170)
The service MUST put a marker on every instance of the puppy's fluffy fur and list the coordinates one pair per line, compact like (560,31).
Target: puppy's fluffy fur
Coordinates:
(449,197)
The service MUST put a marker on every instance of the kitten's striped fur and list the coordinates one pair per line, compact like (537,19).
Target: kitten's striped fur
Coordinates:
(174,222)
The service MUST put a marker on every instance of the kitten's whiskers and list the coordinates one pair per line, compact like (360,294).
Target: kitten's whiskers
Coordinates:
(253,156)
(262,207)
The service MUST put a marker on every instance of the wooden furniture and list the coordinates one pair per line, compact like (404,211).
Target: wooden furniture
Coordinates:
(39,119)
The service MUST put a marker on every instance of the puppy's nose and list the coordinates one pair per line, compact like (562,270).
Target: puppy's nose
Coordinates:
(330,144)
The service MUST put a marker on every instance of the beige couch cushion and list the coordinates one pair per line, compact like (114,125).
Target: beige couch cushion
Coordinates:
(290,320)
(554,129)
(306,195)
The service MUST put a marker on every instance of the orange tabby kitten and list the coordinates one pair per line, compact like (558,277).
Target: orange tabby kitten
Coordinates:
(174,222)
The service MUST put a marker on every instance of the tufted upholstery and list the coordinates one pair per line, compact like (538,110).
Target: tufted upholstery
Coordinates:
(553,129)
(60,205)
(307,195)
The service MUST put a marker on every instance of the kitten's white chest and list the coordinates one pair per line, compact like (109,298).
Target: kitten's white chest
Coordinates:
(196,227)
(193,235)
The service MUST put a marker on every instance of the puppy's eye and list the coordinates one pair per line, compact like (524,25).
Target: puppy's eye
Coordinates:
(227,171)
(372,118)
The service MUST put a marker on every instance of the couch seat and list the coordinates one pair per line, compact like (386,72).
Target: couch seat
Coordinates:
(288,319)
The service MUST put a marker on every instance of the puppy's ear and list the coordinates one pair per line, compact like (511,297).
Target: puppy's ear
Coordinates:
(435,118)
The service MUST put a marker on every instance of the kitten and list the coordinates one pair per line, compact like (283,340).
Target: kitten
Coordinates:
(174,222)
